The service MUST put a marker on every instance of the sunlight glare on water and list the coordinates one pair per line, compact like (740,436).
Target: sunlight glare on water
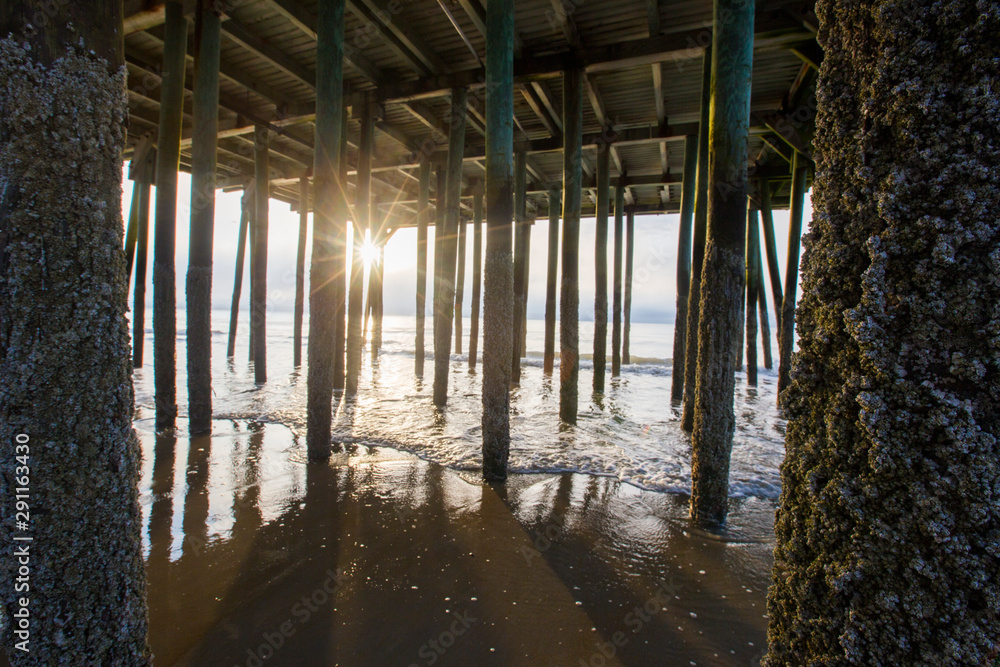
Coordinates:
(631,432)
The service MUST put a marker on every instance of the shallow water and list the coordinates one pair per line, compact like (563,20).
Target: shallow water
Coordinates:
(395,553)
(631,432)
(381,558)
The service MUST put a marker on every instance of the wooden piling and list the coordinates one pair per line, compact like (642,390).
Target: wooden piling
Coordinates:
(771,247)
(629,255)
(444,298)
(688,190)
(601,264)
(328,232)
(362,223)
(258,305)
(343,216)
(139,286)
(697,246)
(616,282)
(527,275)
(765,325)
(787,324)
(552,271)
(165,231)
(569,302)
(520,222)
(440,190)
(375,291)
(241,250)
(460,284)
(423,218)
(202,229)
(131,231)
(477,275)
(67,402)
(251,213)
(752,288)
(723,271)
(300,271)
(498,301)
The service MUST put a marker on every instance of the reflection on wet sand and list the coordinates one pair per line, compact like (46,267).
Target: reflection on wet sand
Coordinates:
(381,558)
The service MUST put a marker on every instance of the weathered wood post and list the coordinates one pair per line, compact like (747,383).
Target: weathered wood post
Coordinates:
(378,266)
(601,263)
(165,217)
(688,189)
(765,325)
(362,223)
(440,192)
(616,300)
(444,293)
(343,216)
(697,245)
(551,277)
(569,300)
(139,286)
(771,247)
(325,245)
(477,274)
(460,284)
(202,233)
(241,249)
(723,270)
(752,287)
(131,231)
(258,305)
(65,388)
(251,207)
(787,324)
(886,530)
(520,222)
(423,218)
(629,255)
(527,276)
(498,301)
(300,270)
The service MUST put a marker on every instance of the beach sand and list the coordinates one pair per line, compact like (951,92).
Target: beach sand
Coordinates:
(255,557)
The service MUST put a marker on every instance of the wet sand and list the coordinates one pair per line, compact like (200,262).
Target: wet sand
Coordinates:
(381,558)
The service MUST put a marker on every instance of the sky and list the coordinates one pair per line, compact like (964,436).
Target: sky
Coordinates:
(654,272)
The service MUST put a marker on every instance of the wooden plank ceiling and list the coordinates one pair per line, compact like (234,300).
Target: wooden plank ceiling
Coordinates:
(643,79)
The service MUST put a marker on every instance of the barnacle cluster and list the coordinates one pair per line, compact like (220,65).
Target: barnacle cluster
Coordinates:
(65,377)
(888,531)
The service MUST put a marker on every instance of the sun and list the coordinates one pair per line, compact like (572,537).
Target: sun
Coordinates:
(369,252)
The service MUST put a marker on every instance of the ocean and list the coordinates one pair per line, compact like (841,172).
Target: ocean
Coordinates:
(631,432)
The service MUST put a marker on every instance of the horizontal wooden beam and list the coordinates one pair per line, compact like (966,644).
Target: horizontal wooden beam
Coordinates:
(775,30)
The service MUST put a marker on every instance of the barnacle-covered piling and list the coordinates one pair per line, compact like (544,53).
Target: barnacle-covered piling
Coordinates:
(520,224)
(697,246)
(328,232)
(722,274)
(202,232)
(444,290)
(684,241)
(67,447)
(569,299)
(551,275)
(601,263)
(889,519)
(498,288)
